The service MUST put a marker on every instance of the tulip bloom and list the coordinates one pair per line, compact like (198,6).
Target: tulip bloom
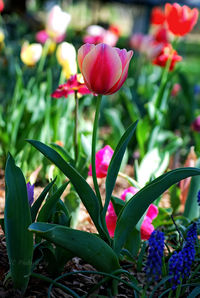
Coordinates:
(146,228)
(180,19)
(30,54)
(57,22)
(167,53)
(176,89)
(102,161)
(1,5)
(74,84)
(97,34)
(66,56)
(104,68)
(196,124)
(157,16)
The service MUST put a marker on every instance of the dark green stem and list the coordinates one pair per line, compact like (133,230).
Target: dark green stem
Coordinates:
(94,139)
(76,128)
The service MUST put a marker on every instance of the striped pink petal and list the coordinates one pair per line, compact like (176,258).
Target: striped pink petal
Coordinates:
(101,68)
(82,52)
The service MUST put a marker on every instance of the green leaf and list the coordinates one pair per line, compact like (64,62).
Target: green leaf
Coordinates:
(87,246)
(192,209)
(62,152)
(118,204)
(133,242)
(46,211)
(37,204)
(83,189)
(115,163)
(17,219)
(136,207)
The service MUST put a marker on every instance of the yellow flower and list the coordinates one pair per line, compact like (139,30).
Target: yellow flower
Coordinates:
(66,56)
(2,36)
(31,53)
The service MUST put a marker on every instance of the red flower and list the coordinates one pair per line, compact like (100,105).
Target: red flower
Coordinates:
(73,85)
(167,53)
(1,5)
(161,35)
(157,16)
(180,19)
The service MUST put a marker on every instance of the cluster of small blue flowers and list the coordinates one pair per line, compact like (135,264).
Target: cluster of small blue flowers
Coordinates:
(198,198)
(180,263)
(153,267)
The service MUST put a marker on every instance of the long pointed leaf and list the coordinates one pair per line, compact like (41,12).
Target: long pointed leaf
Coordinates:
(47,208)
(85,245)
(136,207)
(116,163)
(37,204)
(83,189)
(17,219)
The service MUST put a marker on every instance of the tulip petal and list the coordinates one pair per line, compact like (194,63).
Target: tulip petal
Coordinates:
(82,52)
(125,65)
(102,68)
(152,211)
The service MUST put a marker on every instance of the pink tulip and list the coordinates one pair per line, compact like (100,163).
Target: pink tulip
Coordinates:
(42,36)
(103,67)
(103,158)
(111,217)
(147,228)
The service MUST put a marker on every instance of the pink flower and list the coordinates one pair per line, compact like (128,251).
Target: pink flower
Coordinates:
(97,34)
(1,5)
(42,36)
(103,67)
(147,228)
(103,158)
(73,85)
(176,89)
(111,217)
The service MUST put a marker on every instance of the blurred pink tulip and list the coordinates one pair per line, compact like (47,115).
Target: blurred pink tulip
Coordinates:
(111,217)
(146,228)
(176,89)
(103,67)
(103,158)
(97,34)
(41,36)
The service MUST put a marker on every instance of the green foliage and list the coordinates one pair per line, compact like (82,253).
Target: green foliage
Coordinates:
(17,219)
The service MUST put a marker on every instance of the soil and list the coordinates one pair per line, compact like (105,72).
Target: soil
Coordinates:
(79,282)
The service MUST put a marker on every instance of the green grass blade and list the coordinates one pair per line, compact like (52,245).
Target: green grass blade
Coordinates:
(19,240)
(85,245)
(136,207)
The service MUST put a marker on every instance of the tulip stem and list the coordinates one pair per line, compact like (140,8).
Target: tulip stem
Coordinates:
(94,139)
(76,128)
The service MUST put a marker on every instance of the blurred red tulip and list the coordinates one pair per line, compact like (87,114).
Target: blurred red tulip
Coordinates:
(157,16)
(1,5)
(180,19)
(167,53)
(104,68)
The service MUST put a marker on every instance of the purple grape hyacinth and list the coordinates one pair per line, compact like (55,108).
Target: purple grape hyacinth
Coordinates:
(180,263)
(30,192)
(153,267)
